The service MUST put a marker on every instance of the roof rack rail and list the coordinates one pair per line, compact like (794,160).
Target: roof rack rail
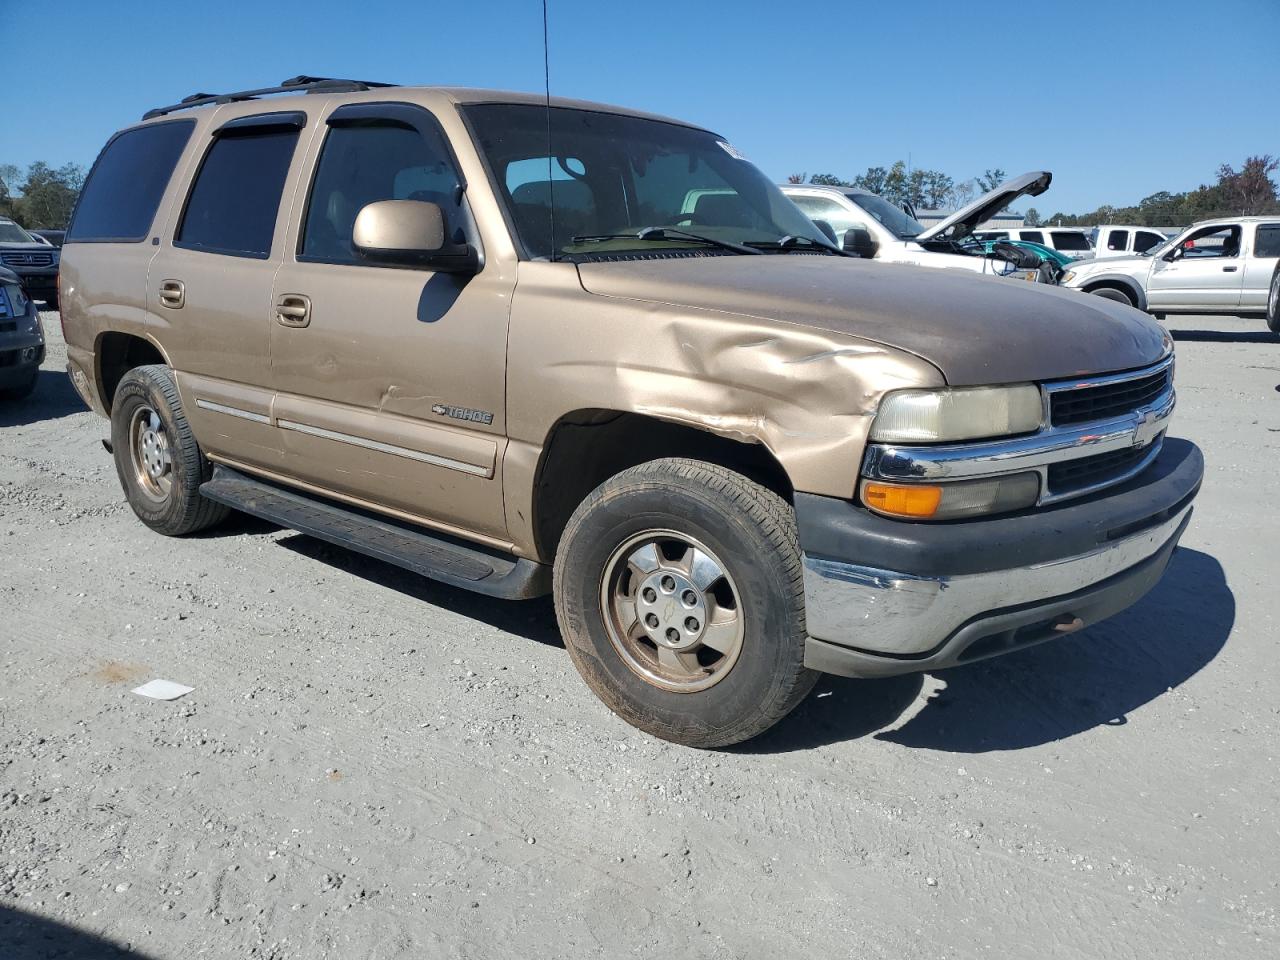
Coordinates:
(299,84)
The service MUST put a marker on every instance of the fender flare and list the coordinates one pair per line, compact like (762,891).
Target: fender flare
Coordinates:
(1135,289)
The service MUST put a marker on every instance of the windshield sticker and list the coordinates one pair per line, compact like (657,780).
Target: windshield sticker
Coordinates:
(730,150)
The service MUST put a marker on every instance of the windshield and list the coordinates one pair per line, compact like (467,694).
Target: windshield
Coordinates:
(12,233)
(616,175)
(894,218)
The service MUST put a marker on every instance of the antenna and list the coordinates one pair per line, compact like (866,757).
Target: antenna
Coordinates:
(546,86)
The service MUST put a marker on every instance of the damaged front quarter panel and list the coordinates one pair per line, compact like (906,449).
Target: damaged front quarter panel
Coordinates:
(807,394)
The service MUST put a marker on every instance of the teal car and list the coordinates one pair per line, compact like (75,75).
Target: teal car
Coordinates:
(1045,253)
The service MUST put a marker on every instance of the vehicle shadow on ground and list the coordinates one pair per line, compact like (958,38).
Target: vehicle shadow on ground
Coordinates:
(25,936)
(1225,336)
(1040,695)
(532,619)
(54,398)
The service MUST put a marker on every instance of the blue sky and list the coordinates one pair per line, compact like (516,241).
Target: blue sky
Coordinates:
(1118,99)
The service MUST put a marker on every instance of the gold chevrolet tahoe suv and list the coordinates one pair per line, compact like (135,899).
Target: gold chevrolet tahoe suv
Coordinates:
(526,346)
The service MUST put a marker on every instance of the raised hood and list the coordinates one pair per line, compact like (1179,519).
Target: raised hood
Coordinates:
(975,329)
(965,220)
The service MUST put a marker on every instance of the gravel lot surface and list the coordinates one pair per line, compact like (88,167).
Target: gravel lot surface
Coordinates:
(373,765)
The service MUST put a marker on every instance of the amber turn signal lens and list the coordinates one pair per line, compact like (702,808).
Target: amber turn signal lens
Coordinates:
(914,500)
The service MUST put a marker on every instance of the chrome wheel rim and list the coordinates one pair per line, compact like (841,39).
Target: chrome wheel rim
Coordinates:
(149,454)
(1274,306)
(672,610)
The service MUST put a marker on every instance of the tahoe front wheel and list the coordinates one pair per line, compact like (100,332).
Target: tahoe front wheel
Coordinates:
(679,592)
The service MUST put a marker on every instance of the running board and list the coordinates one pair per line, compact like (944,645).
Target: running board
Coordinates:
(431,555)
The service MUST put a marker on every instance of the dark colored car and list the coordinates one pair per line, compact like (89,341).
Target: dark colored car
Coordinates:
(55,237)
(21,339)
(35,262)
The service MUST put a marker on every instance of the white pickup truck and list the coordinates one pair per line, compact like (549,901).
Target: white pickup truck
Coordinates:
(873,227)
(1216,266)
(1125,241)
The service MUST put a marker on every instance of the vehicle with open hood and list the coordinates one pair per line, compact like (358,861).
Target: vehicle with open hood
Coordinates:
(526,345)
(877,229)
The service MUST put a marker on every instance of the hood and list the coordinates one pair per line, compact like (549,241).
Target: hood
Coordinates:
(965,220)
(1132,265)
(975,329)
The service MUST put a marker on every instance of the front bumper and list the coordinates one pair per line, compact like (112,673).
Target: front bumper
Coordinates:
(884,596)
(18,357)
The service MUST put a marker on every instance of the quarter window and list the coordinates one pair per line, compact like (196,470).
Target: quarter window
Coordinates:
(127,182)
(369,161)
(1268,241)
(1117,239)
(236,195)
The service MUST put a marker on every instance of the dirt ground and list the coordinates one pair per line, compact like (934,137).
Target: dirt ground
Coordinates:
(373,765)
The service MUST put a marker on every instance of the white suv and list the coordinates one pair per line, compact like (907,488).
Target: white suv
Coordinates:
(1215,266)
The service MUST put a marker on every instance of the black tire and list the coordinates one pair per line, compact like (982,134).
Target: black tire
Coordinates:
(751,532)
(175,507)
(22,390)
(1273,302)
(1111,293)
(52,303)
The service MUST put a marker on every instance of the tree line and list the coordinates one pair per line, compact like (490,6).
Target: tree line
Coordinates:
(1249,191)
(40,197)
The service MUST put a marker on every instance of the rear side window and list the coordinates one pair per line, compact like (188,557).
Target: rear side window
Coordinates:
(1143,241)
(123,192)
(1070,240)
(1268,242)
(1033,236)
(1117,239)
(236,195)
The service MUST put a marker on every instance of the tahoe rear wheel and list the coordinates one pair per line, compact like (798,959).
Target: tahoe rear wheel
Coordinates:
(157,459)
(1111,293)
(679,593)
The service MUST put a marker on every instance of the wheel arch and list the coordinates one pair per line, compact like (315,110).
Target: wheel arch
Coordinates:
(585,447)
(115,354)
(1118,281)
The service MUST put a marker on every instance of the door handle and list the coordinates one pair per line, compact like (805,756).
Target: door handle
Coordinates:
(1230,269)
(172,294)
(293,310)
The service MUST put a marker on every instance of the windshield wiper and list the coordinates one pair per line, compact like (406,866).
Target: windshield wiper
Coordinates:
(668,233)
(795,242)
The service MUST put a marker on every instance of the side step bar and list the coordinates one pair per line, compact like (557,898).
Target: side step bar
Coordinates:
(431,555)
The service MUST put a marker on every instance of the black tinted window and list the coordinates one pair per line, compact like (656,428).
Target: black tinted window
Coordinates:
(124,188)
(1268,242)
(1142,242)
(370,161)
(233,203)
(1033,236)
(1070,240)
(1117,239)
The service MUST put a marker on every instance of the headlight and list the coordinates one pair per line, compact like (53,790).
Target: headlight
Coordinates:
(1068,276)
(949,501)
(963,413)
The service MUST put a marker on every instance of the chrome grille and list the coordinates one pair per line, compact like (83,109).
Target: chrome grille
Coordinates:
(12,258)
(1086,401)
(1073,477)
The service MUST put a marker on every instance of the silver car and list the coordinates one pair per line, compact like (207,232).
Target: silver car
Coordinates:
(1215,266)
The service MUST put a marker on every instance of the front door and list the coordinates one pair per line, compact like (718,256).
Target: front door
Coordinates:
(210,284)
(1205,273)
(390,381)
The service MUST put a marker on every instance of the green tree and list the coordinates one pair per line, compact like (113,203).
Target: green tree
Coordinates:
(991,179)
(1250,191)
(829,180)
(49,195)
(873,180)
(9,176)
(1032,217)
(796,177)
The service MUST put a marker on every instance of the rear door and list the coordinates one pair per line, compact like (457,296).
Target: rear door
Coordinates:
(390,380)
(1262,254)
(209,285)
(1206,272)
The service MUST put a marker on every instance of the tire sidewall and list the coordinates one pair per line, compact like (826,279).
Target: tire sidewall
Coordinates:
(770,622)
(1114,295)
(135,390)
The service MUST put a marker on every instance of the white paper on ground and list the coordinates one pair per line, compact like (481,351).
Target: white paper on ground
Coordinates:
(162,690)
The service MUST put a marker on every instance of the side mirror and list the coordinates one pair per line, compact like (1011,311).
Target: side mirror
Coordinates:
(828,231)
(859,240)
(410,233)
(1174,254)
